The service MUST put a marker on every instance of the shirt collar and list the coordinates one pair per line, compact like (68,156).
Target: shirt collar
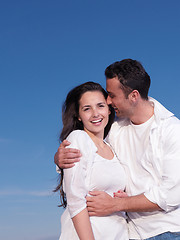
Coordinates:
(160,112)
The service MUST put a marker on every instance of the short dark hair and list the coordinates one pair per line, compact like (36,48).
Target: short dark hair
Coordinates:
(131,75)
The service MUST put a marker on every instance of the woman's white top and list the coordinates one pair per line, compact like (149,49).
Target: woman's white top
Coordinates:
(93,172)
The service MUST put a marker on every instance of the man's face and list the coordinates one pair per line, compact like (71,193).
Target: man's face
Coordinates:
(117,98)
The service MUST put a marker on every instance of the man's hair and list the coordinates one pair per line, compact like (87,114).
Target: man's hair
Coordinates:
(131,75)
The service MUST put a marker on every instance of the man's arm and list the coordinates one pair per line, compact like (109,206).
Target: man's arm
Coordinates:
(102,204)
(66,157)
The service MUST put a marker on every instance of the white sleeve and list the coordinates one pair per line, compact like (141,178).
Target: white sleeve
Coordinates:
(58,170)
(74,182)
(167,193)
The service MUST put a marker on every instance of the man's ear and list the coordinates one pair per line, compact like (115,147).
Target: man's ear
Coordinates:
(134,96)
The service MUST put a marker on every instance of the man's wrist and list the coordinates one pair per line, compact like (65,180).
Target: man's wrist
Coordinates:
(138,203)
(118,204)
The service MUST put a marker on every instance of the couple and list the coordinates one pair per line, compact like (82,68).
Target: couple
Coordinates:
(146,139)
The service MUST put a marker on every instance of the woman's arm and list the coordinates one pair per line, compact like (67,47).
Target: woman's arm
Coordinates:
(83,226)
(76,185)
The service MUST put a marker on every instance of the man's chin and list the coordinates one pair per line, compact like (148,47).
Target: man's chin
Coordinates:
(120,115)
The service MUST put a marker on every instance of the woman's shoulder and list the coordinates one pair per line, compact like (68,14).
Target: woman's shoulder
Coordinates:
(78,135)
(81,140)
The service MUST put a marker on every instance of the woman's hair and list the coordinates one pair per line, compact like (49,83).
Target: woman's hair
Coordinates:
(70,115)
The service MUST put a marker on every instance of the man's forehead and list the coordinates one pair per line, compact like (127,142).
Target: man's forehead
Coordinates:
(110,84)
(108,89)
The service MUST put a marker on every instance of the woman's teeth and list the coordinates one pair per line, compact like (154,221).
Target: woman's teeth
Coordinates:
(96,121)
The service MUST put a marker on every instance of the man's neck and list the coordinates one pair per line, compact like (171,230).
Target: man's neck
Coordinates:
(142,112)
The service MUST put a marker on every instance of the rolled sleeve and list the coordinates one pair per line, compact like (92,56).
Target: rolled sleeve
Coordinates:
(75,188)
(74,182)
(167,193)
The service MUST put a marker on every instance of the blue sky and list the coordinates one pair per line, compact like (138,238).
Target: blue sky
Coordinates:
(48,47)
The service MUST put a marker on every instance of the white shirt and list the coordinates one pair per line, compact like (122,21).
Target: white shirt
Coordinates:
(93,172)
(152,167)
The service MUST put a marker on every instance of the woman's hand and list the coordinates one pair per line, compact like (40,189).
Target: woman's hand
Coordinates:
(120,194)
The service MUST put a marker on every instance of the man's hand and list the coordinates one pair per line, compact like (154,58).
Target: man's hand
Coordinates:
(66,157)
(100,204)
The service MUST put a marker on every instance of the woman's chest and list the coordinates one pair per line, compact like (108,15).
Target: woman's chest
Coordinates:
(107,175)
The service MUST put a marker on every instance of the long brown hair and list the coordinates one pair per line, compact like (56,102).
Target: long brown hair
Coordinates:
(70,114)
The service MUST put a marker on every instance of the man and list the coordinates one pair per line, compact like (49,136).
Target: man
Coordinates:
(146,139)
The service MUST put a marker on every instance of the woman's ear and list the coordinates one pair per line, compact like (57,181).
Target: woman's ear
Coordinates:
(79,119)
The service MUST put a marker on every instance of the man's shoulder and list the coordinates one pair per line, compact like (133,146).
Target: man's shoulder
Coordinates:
(116,128)
(171,125)
(120,122)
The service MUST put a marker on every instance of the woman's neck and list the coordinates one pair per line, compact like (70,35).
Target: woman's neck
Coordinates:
(96,138)
(102,148)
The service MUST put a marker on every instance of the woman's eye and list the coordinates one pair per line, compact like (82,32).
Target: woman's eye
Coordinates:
(101,105)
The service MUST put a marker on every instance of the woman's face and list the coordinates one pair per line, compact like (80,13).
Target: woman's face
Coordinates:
(94,112)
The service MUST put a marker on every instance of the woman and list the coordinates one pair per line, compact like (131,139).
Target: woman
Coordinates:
(86,121)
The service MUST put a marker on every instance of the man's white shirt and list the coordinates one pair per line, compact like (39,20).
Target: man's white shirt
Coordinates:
(150,154)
